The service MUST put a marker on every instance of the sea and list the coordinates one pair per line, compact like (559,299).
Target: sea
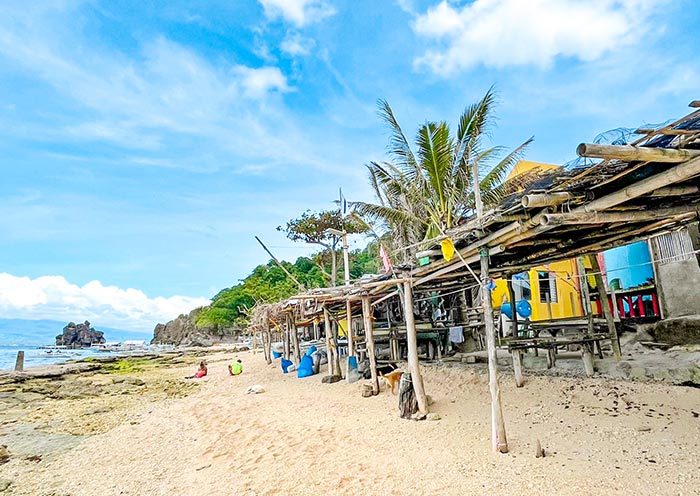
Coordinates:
(34,356)
(30,335)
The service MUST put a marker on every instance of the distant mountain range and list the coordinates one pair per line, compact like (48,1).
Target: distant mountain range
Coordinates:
(41,332)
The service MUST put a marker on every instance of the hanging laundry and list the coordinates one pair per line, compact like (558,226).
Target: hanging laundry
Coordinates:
(457,334)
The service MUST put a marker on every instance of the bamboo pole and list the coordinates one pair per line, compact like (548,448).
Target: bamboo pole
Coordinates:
(611,217)
(635,153)
(498,427)
(676,191)
(603,294)
(537,200)
(301,286)
(369,333)
(412,341)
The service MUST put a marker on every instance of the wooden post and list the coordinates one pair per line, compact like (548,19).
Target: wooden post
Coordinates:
(587,354)
(498,428)
(295,338)
(285,341)
(615,307)
(351,338)
(606,307)
(407,397)
(317,333)
(369,333)
(336,352)
(511,295)
(327,328)
(412,341)
(518,367)
(19,364)
(583,285)
(267,346)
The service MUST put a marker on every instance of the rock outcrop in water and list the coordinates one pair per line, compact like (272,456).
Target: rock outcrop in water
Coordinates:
(79,335)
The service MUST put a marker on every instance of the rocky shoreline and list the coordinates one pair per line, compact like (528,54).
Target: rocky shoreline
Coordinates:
(48,410)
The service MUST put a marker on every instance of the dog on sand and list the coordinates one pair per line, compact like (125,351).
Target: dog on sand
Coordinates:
(392,378)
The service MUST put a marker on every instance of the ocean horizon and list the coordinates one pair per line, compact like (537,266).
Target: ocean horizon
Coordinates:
(30,335)
(34,356)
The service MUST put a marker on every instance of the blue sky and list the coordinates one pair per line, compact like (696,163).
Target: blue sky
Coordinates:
(144,144)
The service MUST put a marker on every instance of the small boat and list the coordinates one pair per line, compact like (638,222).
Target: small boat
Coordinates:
(55,351)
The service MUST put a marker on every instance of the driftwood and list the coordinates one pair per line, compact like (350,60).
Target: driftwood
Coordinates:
(407,397)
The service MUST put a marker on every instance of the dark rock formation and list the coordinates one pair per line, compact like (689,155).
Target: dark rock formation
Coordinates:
(79,335)
(183,332)
(678,331)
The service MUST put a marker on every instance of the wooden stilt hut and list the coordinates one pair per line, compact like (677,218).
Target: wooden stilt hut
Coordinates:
(627,193)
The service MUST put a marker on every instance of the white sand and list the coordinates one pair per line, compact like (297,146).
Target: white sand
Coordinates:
(304,437)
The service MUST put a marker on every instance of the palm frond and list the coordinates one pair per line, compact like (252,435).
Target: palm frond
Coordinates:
(398,144)
(473,124)
(503,168)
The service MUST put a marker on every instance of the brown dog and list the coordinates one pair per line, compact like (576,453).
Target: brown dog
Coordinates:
(392,379)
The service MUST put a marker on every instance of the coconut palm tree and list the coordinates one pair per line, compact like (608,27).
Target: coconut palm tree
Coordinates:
(422,194)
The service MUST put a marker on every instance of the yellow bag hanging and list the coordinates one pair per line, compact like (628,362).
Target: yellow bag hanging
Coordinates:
(448,249)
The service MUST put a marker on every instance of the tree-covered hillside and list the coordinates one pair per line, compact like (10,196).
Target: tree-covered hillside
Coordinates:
(269,283)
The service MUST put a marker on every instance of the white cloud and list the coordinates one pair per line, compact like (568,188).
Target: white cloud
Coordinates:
(499,33)
(259,82)
(294,44)
(164,97)
(298,12)
(52,297)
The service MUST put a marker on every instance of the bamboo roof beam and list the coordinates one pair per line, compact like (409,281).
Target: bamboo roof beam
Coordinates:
(677,174)
(676,191)
(609,217)
(669,132)
(516,232)
(635,153)
(537,200)
(630,235)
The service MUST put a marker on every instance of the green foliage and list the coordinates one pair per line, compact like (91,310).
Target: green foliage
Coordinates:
(267,283)
(364,261)
(312,227)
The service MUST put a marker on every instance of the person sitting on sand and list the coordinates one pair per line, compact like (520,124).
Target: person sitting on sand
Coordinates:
(201,372)
(236,368)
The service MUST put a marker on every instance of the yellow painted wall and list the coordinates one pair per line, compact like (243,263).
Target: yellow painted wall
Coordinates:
(568,302)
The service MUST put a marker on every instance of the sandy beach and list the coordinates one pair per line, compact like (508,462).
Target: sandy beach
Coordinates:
(170,436)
